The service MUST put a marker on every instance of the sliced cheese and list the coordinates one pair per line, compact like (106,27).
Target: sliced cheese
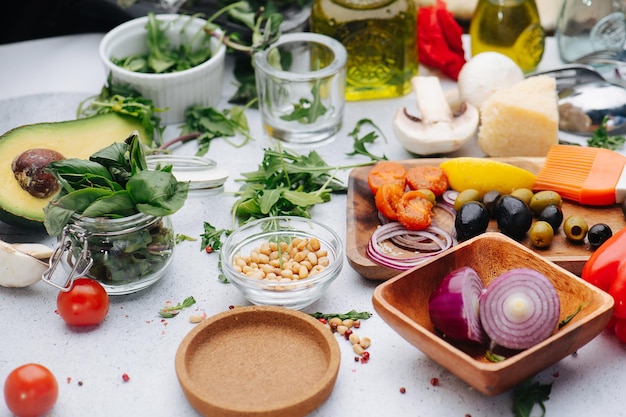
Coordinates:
(522,120)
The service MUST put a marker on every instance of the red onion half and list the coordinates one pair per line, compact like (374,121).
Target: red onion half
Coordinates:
(519,309)
(454,306)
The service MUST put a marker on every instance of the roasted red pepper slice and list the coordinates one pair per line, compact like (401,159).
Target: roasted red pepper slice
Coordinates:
(439,40)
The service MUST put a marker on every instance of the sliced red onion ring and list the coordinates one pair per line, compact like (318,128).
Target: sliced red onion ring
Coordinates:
(519,309)
(449,196)
(434,238)
(454,306)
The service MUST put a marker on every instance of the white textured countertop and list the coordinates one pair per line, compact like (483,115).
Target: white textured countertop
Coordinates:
(42,81)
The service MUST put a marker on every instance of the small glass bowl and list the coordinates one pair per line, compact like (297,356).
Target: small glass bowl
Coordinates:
(294,294)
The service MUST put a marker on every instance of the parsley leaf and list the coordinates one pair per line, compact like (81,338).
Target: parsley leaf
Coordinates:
(602,139)
(529,393)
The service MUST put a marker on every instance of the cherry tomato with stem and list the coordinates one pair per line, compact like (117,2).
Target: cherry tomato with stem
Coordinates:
(86,304)
(30,390)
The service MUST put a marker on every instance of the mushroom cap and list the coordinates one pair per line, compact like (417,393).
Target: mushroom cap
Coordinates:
(436,137)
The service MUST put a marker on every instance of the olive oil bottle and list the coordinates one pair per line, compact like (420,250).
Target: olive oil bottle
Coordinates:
(380,37)
(510,27)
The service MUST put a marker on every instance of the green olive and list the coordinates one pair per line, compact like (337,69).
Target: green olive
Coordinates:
(429,195)
(575,228)
(465,196)
(523,194)
(541,234)
(542,199)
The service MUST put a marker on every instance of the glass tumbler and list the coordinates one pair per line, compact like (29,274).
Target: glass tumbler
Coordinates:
(586,26)
(301,81)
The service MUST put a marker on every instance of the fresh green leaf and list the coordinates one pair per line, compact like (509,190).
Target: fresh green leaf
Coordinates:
(307,111)
(171,311)
(602,139)
(352,314)
(493,357)
(157,193)
(212,237)
(529,393)
(361,142)
(182,238)
(119,203)
(570,317)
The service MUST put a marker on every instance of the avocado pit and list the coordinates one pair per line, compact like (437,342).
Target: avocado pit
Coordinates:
(29,171)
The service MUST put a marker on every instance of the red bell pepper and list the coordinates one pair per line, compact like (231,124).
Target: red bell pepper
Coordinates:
(606,269)
(439,41)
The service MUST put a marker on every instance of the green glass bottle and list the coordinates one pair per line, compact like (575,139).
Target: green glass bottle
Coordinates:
(510,27)
(380,37)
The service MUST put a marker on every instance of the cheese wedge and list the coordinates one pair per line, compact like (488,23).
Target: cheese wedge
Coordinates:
(522,120)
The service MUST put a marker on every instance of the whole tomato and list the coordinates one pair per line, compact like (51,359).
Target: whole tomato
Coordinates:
(86,304)
(30,390)
(620,329)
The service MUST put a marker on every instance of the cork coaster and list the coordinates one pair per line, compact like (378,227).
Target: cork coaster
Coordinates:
(258,361)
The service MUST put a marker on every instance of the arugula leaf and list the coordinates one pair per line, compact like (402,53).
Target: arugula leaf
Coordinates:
(307,111)
(286,184)
(182,238)
(571,316)
(529,393)
(360,143)
(207,123)
(172,311)
(212,237)
(602,139)
(122,99)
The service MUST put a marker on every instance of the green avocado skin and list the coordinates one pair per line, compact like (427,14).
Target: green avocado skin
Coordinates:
(122,126)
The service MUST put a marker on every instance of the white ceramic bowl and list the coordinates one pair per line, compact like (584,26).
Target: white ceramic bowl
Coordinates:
(201,84)
(294,294)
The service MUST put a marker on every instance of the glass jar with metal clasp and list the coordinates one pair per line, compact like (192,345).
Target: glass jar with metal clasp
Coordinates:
(125,254)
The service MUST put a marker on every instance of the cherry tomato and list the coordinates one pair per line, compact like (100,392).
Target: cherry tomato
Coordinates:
(387,198)
(415,211)
(620,329)
(86,304)
(427,177)
(386,172)
(30,390)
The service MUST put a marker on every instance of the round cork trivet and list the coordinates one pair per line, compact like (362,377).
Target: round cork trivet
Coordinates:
(258,361)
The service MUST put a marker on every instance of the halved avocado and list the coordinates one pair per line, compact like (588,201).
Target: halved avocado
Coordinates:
(78,138)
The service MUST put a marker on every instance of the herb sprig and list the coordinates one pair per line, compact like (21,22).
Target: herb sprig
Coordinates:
(352,314)
(287,183)
(529,393)
(602,139)
(171,311)
(212,237)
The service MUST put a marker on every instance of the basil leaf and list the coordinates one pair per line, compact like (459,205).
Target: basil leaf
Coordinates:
(60,209)
(119,203)
(157,193)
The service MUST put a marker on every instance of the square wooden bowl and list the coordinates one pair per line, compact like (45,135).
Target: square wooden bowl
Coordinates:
(403,303)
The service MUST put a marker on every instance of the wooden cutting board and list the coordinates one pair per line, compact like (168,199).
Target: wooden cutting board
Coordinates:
(362,221)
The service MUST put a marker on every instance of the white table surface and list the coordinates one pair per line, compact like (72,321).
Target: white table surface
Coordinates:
(134,340)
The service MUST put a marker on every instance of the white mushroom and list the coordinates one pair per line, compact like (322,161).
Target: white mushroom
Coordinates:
(18,269)
(438,129)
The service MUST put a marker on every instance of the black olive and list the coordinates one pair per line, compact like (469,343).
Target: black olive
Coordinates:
(598,234)
(553,215)
(513,216)
(471,220)
(489,200)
